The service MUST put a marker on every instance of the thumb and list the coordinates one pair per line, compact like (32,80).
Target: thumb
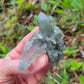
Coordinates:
(9,67)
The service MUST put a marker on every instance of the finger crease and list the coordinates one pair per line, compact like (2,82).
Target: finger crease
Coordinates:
(36,77)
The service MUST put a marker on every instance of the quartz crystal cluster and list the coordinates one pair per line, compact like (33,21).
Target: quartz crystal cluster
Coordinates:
(49,40)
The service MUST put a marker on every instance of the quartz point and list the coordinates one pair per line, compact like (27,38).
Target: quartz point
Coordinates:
(49,40)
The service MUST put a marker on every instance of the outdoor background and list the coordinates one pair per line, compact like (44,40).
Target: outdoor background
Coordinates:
(19,17)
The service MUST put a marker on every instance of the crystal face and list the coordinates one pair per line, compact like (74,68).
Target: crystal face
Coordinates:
(49,40)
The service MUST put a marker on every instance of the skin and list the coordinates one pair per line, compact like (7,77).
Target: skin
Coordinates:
(9,73)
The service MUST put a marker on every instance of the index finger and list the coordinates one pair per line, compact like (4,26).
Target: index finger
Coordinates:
(20,46)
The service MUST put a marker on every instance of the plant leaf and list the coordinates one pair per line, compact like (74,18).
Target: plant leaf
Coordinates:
(64,74)
(44,6)
(81,79)
(75,65)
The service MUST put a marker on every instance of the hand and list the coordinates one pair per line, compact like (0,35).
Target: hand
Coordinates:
(9,73)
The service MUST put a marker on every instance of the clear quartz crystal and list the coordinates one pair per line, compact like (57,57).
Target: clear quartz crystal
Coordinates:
(49,40)
(29,54)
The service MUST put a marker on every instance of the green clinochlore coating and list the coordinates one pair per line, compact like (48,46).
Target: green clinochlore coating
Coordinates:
(49,40)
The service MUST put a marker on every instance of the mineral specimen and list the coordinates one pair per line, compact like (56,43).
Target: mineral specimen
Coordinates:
(49,40)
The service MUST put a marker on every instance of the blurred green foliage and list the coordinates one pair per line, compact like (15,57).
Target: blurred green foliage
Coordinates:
(68,14)
(4,49)
(72,50)
(71,10)
(81,78)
